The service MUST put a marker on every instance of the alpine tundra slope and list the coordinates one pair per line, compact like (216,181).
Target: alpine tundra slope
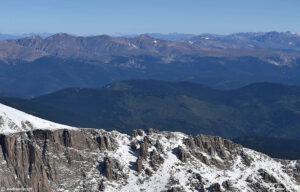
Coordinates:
(43,156)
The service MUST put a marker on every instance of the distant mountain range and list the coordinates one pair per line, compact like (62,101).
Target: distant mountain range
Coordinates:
(19,36)
(104,48)
(275,41)
(171,36)
(35,66)
(162,36)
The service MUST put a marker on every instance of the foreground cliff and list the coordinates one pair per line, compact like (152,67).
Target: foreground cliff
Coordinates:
(42,156)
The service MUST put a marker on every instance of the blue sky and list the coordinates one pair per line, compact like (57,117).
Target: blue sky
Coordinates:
(90,17)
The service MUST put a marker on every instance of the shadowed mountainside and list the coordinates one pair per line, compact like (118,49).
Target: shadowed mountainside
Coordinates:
(47,74)
(274,147)
(262,109)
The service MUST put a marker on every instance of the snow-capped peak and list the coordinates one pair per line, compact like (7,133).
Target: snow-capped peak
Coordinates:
(13,120)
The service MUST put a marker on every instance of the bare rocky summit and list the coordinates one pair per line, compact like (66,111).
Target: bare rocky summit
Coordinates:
(70,159)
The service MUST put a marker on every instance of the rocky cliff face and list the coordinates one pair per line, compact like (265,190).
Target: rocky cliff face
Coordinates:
(69,159)
(96,160)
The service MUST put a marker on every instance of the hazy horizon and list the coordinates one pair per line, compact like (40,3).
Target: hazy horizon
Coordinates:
(136,34)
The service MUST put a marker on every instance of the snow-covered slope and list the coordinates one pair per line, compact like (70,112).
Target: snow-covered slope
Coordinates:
(71,159)
(12,121)
(218,165)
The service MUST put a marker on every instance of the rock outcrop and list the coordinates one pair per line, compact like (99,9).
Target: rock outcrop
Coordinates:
(139,164)
(182,155)
(41,159)
(267,177)
(297,171)
(144,150)
(113,169)
(89,159)
(71,159)
(215,188)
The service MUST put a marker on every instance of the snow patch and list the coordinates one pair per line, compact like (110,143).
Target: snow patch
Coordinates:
(13,121)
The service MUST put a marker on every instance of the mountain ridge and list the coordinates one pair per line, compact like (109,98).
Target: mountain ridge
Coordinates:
(34,66)
(63,45)
(50,74)
(14,121)
(266,109)
(93,160)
